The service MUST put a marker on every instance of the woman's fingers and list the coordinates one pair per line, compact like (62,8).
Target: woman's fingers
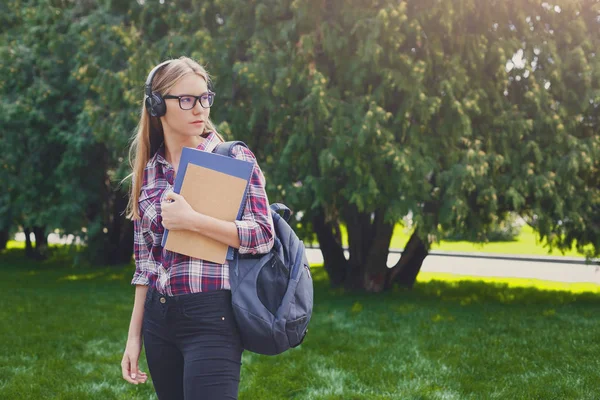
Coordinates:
(172,196)
(141,377)
(130,371)
(126,370)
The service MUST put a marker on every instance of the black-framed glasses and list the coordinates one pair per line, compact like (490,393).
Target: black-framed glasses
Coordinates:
(188,101)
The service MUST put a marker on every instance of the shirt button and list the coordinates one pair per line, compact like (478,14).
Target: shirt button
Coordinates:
(163,300)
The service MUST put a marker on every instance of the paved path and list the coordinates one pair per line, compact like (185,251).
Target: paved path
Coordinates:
(550,269)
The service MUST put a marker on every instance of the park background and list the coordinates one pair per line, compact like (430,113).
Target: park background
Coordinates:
(462,125)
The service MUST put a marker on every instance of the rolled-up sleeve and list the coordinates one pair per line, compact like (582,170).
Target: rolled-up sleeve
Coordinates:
(255,230)
(141,254)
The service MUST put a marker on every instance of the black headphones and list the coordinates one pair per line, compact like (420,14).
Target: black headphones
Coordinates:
(155,104)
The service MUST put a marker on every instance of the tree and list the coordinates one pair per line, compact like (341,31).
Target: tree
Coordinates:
(118,47)
(37,107)
(59,159)
(462,113)
(375,110)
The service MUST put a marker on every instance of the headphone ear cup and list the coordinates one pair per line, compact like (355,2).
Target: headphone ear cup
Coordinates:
(149,105)
(155,105)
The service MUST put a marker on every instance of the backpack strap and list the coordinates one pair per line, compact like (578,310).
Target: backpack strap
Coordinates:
(225,148)
(275,207)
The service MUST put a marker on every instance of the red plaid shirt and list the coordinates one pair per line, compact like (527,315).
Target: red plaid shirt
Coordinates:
(173,273)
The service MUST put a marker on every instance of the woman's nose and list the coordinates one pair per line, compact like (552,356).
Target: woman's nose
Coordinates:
(198,108)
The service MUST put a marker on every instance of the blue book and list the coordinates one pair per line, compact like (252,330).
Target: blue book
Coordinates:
(214,185)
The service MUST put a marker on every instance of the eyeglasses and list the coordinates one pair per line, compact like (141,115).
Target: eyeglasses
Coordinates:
(188,101)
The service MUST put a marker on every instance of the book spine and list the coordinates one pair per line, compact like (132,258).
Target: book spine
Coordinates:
(231,250)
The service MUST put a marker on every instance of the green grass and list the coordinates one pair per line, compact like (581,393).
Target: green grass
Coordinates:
(64,331)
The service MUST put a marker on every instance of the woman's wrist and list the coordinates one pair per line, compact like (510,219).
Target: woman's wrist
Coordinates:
(134,338)
(197,222)
(216,229)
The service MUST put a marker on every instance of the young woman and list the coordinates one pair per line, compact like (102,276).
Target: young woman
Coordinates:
(182,309)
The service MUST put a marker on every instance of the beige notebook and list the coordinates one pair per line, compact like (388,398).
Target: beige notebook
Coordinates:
(214,185)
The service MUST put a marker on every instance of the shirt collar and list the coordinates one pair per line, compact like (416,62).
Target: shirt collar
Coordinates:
(210,142)
(159,156)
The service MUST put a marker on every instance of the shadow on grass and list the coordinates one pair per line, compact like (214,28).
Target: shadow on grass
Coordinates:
(463,292)
(468,291)
(59,256)
(60,269)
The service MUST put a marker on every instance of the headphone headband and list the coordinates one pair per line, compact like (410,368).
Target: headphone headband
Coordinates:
(148,84)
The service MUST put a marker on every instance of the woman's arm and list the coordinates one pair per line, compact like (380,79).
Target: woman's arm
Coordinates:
(217,229)
(255,231)
(178,214)
(130,363)
(253,234)
(137,315)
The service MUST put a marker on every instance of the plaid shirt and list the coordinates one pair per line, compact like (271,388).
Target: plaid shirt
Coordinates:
(173,273)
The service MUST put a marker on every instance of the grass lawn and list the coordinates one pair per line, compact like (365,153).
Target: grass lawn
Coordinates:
(64,331)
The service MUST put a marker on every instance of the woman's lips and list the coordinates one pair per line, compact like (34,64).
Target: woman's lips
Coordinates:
(197,122)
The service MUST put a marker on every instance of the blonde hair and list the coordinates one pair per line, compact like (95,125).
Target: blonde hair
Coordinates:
(149,132)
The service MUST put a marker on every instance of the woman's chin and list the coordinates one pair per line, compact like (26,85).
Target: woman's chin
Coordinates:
(195,131)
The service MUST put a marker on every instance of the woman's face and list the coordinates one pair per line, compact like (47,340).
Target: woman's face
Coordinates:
(190,122)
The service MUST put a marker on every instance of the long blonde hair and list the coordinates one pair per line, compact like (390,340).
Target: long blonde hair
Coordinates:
(149,132)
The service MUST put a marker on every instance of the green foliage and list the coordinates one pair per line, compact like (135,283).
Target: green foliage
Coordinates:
(37,108)
(506,230)
(460,112)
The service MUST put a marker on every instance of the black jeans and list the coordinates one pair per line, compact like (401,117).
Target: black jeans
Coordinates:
(192,345)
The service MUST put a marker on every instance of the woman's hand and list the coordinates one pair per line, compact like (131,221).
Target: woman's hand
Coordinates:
(176,213)
(129,365)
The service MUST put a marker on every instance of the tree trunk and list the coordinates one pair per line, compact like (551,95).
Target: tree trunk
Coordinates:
(335,262)
(29,253)
(40,252)
(406,270)
(120,240)
(41,240)
(359,242)
(104,216)
(126,242)
(3,238)
(369,239)
(376,263)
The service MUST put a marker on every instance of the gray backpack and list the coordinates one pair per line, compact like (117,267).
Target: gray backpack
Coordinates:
(271,294)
